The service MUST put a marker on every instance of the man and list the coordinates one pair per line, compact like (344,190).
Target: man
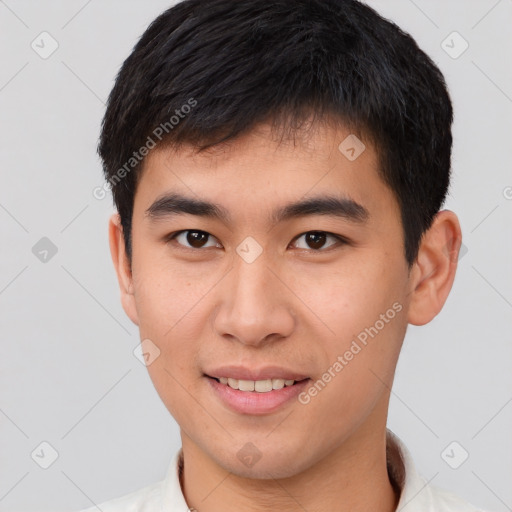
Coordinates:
(279,169)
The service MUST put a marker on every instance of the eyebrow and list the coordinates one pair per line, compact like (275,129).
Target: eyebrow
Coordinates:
(343,207)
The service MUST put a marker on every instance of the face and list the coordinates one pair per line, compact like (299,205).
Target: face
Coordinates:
(258,290)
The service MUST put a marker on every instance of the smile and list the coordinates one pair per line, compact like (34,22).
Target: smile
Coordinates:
(260,386)
(256,396)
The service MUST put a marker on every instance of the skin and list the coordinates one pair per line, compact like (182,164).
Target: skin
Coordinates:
(296,305)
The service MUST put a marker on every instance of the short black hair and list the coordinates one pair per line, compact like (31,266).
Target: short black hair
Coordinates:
(207,71)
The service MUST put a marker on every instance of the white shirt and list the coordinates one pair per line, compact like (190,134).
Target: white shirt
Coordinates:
(416,494)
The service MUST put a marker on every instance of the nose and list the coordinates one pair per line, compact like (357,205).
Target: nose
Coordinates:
(254,306)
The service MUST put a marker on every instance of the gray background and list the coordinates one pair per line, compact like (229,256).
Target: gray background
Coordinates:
(68,375)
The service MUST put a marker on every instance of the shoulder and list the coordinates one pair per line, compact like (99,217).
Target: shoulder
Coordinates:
(442,500)
(416,493)
(146,499)
(163,495)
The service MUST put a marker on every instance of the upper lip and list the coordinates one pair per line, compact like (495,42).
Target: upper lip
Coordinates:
(264,373)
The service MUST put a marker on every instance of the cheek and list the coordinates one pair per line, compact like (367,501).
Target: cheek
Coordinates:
(358,374)
(350,301)
(367,321)
(170,386)
(166,294)
(169,315)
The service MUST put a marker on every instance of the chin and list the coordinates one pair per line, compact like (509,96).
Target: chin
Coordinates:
(264,471)
(265,464)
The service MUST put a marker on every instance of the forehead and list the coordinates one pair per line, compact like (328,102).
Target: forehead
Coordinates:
(257,176)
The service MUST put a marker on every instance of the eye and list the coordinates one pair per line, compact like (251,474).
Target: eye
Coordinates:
(195,238)
(316,239)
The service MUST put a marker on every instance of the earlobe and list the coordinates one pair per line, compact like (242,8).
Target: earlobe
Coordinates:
(122,267)
(434,270)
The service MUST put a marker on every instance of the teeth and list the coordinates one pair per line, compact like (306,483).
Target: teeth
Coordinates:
(278,383)
(246,385)
(261,386)
(233,383)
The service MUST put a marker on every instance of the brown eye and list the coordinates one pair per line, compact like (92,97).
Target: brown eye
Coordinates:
(316,240)
(194,239)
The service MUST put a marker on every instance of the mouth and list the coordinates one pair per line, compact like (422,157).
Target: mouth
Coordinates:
(257,386)
(255,397)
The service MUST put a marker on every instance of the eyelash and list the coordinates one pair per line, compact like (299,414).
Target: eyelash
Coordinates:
(341,240)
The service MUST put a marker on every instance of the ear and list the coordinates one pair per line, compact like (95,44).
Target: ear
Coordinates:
(434,270)
(122,266)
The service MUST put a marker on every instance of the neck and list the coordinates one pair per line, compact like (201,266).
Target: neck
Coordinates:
(353,477)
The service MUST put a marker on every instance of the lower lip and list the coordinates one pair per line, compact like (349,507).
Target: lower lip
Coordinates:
(254,402)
